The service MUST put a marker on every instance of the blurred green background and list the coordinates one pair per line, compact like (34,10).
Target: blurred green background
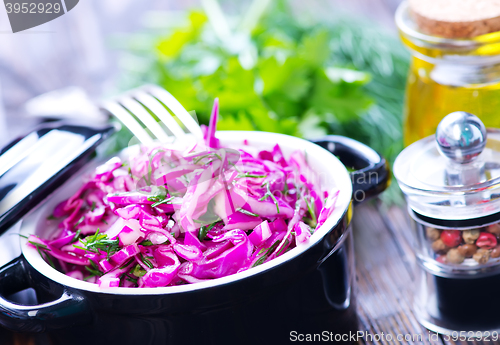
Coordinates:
(281,69)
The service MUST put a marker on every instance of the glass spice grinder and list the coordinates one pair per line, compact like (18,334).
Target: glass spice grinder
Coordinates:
(451,182)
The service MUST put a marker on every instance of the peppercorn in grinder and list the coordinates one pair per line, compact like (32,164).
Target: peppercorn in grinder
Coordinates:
(451,182)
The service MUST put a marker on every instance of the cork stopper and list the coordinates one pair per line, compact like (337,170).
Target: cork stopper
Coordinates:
(456,18)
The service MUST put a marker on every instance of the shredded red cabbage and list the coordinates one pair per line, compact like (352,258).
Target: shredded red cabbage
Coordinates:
(174,215)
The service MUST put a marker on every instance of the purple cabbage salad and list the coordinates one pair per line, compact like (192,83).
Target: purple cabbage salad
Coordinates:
(174,215)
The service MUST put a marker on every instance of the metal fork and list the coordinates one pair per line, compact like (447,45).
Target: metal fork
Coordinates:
(147,100)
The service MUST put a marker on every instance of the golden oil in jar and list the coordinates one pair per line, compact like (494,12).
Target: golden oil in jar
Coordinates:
(448,75)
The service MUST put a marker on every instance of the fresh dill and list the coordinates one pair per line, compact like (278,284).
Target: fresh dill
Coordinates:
(248,213)
(271,195)
(99,242)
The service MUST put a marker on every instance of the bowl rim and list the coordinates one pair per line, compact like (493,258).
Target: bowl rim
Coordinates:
(339,174)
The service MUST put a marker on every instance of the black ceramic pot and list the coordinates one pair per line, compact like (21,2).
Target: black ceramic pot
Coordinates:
(308,290)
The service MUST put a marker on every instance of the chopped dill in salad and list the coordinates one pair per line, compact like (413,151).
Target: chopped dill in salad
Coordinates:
(176,214)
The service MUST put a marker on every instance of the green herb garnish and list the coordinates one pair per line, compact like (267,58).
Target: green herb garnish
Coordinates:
(270,194)
(282,248)
(285,188)
(202,233)
(98,242)
(138,271)
(41,250)
(94,272)
(242,210)
(250,175)
(128,262)
(148,243)
(266,252)
(130,279)
(310,204)
(77,236)
(146,261)
(198,159)
(164,201)
(160,196)
(39,246)
(82,218)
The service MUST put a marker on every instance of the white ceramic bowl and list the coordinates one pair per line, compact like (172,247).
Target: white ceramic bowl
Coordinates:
(331,172)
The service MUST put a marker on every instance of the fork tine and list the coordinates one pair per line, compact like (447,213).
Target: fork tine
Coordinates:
(128,120)
(142,114)
(173,104)
(159,110)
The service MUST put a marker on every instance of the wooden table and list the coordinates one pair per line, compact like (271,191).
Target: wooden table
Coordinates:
(385,270)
